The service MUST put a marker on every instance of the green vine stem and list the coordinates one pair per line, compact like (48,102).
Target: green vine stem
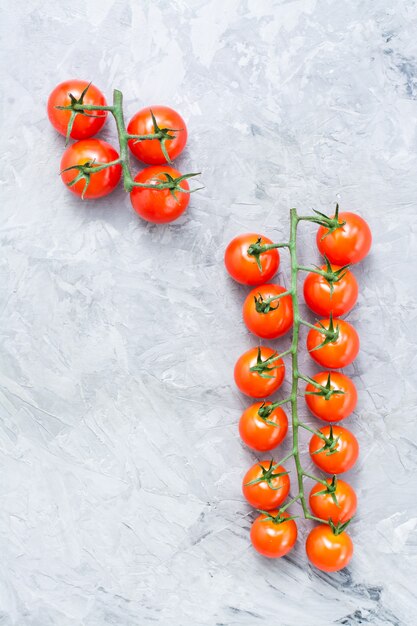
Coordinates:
(77,107)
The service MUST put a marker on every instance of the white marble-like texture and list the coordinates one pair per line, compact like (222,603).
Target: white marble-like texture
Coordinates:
(120,463)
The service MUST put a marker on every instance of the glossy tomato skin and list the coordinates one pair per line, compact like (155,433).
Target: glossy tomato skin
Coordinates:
(251,383)
(319,298)
(277,321)
(243,267)
(273,540)
(149,151)
(84,126)
(261,495)
(338,406)
(326,551)
(348,244)
(339,353)
(343,459)
(158,206)
(87,150)
(257,433)
(324,507)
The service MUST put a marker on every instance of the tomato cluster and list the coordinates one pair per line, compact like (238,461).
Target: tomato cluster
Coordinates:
(330,291)
(92,168)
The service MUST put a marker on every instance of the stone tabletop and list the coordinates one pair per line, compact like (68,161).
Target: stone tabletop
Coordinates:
(120,461)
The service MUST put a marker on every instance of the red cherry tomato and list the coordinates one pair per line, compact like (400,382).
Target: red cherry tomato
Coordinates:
(347,244)
(337,353)
(338,503)
(265,485)
(325,403)
(271,537)
(320,297)
(95,152)
(84,126)
(336,455)
(243,267)
(159,205)
(255,383)
(266,317)
(327,551)
(263,433)
(149,150)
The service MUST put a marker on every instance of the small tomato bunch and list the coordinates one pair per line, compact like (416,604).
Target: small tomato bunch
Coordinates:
(270,310)
(92,168)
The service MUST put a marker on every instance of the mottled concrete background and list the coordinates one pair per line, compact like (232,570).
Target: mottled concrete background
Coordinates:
(120,462)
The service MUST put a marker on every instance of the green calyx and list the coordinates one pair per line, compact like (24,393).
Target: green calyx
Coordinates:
(170,183)
(85,171)
(330,223)
(265,305)
(268,475)
(339,528)
(160,134)
(330,443)
(263,367)
(256,249)
(330,489)
(275,519)
(325,391)
(333,276)
(331,333)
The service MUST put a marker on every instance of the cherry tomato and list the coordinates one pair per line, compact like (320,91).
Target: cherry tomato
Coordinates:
(338,503)
(243,267)
(337,353)
(325,403)
(338,454)
(149,150)
(159,205)
(95,152)
(268,319)
(271,537)
(263,433)
(327,551)
(323,299)
(265,485)
(263,381)
(84,126)
(349,243)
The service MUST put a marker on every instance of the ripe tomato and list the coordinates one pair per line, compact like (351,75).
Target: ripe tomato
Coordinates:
(339,352)
(338,454)
(263,433)
(268,319)
(337,501)
(337,297)
(327,551)
(349,243)
(84,126)
(243,267)
(325,403)
(159,205)
(265,485)
(149,150)
(272,537)
(94,152)
(257,374)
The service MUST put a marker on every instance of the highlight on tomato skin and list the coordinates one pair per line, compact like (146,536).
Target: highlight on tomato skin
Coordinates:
(348,244)
(243,267)
(252,383)
(327,551)
(342,401)
(84,126)
(273,540)
(276,318)
(263,434)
